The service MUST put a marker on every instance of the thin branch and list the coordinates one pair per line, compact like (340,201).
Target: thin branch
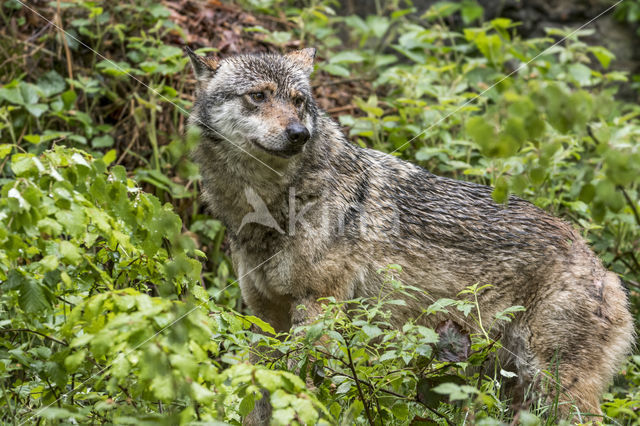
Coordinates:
(337,82)
(631,204)
(27,330)
(355,378)
(337,373)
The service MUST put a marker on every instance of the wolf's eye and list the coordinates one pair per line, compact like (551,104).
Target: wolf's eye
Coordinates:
(298,101)
(257,96)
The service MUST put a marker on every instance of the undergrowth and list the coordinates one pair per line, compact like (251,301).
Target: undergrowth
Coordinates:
(118,297)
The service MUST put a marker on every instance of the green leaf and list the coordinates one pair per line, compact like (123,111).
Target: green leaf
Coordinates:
(247,404)
(49,263)
(271,380)
(346,57)
(202,394)
(471,11)
(73,361)
(337,70)
(400,410)
(51,83)
(603,55)
(11,95)
(69,252)
(104,141)
(264,326)
(343,388)
(5,149)
(441,9)
(158,11)
(36,109)
(509,313)
(31,296)
(68,98)
(29,93)
(163,387)
(200,293)
(371,331)
(481,132)
(580,73)
(455,392)
(56,413)
(500,193)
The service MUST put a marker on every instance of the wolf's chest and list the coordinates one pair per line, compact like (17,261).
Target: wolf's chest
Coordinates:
(268,273)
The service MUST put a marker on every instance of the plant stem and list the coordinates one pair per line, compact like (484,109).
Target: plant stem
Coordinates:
(355,378)
(27,330)
(631,204)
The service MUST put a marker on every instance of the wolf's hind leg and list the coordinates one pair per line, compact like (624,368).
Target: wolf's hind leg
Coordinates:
(580,337)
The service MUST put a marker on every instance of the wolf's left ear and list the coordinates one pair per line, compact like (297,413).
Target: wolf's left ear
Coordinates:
(204,68)
(304,58)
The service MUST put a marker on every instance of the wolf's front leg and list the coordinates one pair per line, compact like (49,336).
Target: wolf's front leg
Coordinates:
(276,313)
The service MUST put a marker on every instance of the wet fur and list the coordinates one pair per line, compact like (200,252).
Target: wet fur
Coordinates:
(363,209)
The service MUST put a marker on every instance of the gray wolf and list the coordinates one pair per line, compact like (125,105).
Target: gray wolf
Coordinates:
(343,212)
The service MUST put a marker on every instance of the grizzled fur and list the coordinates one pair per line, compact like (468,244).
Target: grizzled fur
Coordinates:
(344,212)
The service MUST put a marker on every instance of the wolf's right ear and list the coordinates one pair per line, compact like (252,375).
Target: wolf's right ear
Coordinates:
(204,68)
(304,58)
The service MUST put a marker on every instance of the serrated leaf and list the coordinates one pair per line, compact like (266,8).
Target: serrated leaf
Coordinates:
(31,296)
(371,331)
(69,252)
(454,391)
(73,361)
(263,325)
(247,404)
(51,83)
(5,149)
(603,55)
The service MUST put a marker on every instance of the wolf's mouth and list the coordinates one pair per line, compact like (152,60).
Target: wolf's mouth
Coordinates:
(282,153)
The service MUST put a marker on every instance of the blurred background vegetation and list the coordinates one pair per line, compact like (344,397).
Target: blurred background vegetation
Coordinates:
(105,242)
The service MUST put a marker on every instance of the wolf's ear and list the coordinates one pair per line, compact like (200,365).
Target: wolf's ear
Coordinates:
(304,58)
(204,68)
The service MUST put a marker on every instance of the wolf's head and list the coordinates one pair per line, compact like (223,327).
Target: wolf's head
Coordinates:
(261,103)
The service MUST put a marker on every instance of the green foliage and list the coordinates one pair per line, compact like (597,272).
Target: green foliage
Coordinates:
(119,306)
(82,252)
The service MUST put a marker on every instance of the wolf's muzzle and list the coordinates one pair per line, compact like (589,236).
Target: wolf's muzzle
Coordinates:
(297,134)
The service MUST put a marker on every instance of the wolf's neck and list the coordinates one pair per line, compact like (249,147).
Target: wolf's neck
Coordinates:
(233,182)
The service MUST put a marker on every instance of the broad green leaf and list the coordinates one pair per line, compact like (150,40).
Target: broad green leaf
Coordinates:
(51,83)
(31,296)
(73,361)
(603,55)
(70,252)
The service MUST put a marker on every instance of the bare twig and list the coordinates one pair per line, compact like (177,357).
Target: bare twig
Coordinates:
(355,379)
(67,52)
(631,204)
(341,109)
(338,82)
(27,330)
(390,392)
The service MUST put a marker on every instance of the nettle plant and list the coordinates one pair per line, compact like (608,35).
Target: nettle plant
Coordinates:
(103,313)
(367,372)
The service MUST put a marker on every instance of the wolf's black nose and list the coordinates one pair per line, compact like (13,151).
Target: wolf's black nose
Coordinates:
(297,133)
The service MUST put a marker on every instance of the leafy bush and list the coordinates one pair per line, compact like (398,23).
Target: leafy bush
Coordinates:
(82,248)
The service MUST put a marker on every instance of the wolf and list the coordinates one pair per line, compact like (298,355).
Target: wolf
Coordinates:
(339,213)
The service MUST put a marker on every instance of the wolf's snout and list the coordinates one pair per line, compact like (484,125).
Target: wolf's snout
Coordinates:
(297,133)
